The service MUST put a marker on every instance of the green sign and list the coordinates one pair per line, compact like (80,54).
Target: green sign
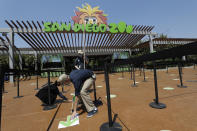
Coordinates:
(121,27)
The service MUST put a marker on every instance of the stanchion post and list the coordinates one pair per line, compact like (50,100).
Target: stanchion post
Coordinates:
(49,88)
(144,74)
(131,71)
(166,68)
(122,72)
(37,81)
(180,77)
(134,84)
(18,87)
(140,70)
(1,91)
(110,125)
(49,106)
(156,103)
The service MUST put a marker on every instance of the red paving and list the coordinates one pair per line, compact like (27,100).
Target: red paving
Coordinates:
(131,105)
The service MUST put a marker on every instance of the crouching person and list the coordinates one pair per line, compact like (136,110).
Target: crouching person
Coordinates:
(42,94)
(82,81)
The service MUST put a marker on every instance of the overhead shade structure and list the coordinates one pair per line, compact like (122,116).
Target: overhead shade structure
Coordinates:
(70,42)
(164,42)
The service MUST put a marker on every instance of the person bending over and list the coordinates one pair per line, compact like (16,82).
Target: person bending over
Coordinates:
(82,81)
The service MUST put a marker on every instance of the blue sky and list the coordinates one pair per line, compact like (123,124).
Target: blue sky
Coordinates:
(176,18)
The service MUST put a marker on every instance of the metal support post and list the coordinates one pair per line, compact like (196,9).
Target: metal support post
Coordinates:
(180,77)
(18,81)
(11,52)
(166,68)
(110,125)
(134,84)
(156,103)
(1,92)
(144,74)
(151,44)
(49,106)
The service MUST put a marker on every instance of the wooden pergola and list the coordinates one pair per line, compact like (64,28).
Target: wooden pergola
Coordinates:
(70,42)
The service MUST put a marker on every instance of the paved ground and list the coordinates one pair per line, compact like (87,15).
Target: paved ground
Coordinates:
(131,104)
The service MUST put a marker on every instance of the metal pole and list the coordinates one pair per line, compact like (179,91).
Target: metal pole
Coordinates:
(156,89)
(144,74)
(134,84)
(122,72)
(156,103)
(108,95)
(1,86)
(84,50)
(37,80)
(94,86)
(131,71)
(111,125)
(49,90)
(11,52)
(167,69)
(18,81)
(180,77)
(151,43)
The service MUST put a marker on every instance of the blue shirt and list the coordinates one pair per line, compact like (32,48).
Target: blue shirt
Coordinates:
(78,77)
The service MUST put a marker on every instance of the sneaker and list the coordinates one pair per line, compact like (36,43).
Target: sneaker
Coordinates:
(91,113)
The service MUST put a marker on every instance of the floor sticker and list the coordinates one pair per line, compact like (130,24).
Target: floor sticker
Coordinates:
(172,74)
(32,84)
(168,88)
(99,86)
(120,78)
(112,96)
(175,79)
(69,122)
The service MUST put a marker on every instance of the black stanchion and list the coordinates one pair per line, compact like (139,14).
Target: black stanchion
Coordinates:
(110,125)
(50,106)
(194,66)
(156,103)
(131,71)
(96,101)
(140,71)
(36,81)
(18,81)
(134,84)
(1,91)
(180,77)
(122,72)
(3,87)
(144,74)
(167,69)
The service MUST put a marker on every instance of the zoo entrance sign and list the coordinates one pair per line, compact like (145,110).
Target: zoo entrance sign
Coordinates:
(121,27)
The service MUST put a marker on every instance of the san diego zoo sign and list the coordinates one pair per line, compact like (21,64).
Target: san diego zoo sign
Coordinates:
(121,27)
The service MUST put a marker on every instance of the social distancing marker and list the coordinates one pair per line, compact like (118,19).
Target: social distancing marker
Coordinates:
(168,88)
(120,78)
(99,86)
(72,94)
(69,122)
(146,77)
(137,82)
(172,74)
(175,79)
(32,84)
(112,96)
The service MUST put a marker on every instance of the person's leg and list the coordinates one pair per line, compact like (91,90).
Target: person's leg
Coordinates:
(85,95)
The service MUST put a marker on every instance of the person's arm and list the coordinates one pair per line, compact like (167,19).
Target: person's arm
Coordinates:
(75,104)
